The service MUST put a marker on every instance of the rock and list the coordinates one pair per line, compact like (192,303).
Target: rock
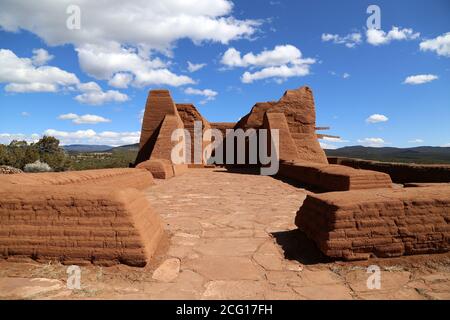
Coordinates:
(167,271)
(9,170)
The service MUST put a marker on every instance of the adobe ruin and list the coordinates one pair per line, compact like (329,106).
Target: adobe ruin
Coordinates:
(103,217)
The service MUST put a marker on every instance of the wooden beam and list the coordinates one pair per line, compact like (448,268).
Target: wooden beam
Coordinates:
(322,128)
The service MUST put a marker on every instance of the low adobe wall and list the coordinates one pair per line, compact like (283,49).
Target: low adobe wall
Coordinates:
(123,178)
(334,177)
(400,172)
(92,216)
(163,169)
(380,222)
(77,225)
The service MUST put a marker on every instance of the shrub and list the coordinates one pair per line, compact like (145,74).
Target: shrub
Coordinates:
(37,166)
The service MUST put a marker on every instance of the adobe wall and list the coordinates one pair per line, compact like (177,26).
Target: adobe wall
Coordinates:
(330,177)
(121,178)
(77,225)
(189,114)
(222,126)
(400,172)
(379,222)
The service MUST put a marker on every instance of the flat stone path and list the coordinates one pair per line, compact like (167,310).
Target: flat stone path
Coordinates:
(232,236)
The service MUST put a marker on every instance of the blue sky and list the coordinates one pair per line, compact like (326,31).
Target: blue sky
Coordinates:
(383,87)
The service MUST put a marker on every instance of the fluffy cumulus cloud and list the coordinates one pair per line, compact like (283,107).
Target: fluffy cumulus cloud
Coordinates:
(121,36)
(124,66)
(83,119)
(420,79)
(349,40)
(27,75)
(376,118)
(372,142)
(283,62)
(120,80)
(440,45)
(99,97)
(208,94)
(378,37)
(192,67)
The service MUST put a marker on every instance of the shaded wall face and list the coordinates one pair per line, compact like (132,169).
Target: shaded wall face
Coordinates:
(197,126)
(298,140)
(159,105)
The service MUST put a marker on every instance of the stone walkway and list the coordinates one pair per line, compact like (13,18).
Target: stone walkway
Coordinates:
(232,236)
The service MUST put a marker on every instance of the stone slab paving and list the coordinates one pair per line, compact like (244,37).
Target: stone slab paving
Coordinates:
(231,235)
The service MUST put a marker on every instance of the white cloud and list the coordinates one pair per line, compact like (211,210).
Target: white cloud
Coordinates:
(440,45)
(279,55)
(192,67)
(378,37)
(376,118)
(92,137)
(280,72)
(41,57)
(207,93)
(113,62)
(101,97)
(25,114)
(416,141)
(328,146)
(157,23)
(420,79)
(346,75)
(283,62)
(21,75)
(84,119)
(120,36)
(372,142)
(120,80)
(334,139)
(31,87)
(6,138)
(92,93)
(349,40)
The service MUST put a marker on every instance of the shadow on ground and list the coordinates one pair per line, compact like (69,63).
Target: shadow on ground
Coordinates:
(297,246)
(256,171)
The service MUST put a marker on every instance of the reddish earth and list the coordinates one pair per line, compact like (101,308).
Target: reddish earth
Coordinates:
(227,241)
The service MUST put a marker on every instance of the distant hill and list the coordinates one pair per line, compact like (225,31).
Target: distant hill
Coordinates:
(128,147)
(390,154)
(86,148)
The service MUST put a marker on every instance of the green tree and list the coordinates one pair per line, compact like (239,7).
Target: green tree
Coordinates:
(4,155)
(51,153)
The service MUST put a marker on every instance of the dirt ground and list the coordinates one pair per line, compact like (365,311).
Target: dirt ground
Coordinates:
(231,235)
